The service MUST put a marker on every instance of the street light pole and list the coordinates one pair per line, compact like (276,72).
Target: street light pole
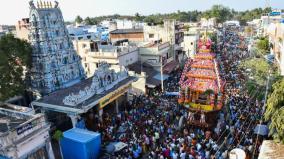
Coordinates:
(162,80)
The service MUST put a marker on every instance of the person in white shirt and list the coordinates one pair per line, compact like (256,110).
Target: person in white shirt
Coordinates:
(174,155)
(182,155)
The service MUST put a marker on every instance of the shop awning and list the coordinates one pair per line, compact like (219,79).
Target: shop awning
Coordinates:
(169,67)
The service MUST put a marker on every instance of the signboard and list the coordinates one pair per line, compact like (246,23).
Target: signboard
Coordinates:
(112,96)
(24,128)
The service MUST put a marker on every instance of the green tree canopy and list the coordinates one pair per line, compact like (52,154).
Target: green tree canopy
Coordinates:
(15,60)
(263,45)
(90,21)
(78,19)
(220,12)
(275,111)
(138,17)
(258,69)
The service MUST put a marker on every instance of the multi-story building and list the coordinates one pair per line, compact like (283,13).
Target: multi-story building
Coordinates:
(92,53)
(275,16)
(191,36)
(121,24)
(133,35)
(275,32)
(7,28)
(55,64)
(170,31)
(157,56)
(86,32)
(23,134)
(22,29)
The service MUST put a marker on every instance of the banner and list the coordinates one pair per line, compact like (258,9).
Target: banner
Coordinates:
(113,95)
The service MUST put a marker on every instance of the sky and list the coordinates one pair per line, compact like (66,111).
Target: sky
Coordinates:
(13,10)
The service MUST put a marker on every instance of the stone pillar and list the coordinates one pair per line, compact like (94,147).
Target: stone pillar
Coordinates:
(73,119)
(117,106)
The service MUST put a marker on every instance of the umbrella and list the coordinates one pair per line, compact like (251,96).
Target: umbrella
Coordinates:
(261,130)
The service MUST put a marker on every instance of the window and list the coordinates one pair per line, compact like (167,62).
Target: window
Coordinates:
(191,43)
(151,35)
(84,45)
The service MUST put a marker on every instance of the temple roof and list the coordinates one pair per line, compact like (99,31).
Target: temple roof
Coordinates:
(56,98)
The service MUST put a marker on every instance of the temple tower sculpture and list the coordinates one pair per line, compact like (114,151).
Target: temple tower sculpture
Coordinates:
(55,64)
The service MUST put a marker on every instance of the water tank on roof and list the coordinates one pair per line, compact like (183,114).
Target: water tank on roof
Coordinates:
(80,144)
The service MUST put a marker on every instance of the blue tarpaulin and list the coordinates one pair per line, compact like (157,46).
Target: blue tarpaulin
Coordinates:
(158,76)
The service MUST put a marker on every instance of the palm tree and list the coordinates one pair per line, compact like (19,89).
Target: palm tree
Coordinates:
(275,111)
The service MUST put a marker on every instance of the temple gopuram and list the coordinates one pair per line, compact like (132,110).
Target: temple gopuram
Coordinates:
(201,87)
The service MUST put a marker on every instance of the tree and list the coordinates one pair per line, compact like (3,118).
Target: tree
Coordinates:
(138,17)
(78,19)
(258,69)
(219,12)
(275,111)
(263,45)
(90,21)
(58,135)
(15,60)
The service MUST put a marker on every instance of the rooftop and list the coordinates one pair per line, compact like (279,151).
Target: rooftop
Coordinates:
(55,99)
(150,72)
(126,31)
(11,116)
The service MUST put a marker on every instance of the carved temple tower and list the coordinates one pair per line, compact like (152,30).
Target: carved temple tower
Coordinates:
(55,64)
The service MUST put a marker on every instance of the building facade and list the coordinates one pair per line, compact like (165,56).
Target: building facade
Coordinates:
(22,29)
(55,64)
(275,32)
(133,35)
(191,36)
(170,31)
(92,54)
(23,134)
(155,55)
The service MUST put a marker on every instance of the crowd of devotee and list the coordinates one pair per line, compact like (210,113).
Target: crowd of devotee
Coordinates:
(155,126)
